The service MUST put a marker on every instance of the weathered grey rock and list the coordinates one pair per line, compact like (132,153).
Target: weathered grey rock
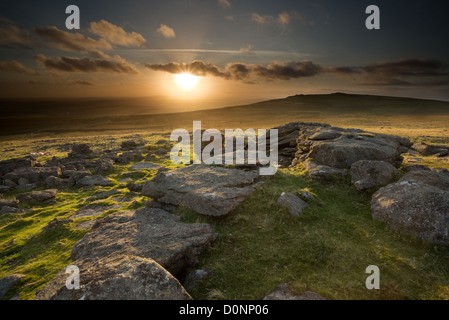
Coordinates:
(17,163)
(33,174)
(214,191)
(76,175)
(129,144)
(282,292)
(322,172)
(417,205)
(340,148)
(54,182)
(325,134)
(8,282)
(158,152)
(103,165)
(4,189)
(10,183)
(294,204)
(148,233)
(429,150)
(144,165)
(8,203)
(8,209)
(38,197)
(116,277)
(366,174)
(94,181)
(134,187)
(81,150)
(131,156)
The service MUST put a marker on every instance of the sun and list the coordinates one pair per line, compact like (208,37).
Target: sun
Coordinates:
(186,81)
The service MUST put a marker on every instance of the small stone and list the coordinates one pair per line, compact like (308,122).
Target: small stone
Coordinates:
(294,204)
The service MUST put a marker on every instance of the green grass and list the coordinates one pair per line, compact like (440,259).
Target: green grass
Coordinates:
(327,249)
(259,246)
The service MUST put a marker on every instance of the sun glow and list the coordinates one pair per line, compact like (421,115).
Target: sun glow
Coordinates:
(186,81)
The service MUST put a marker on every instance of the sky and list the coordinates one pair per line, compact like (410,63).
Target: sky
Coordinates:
(236,50)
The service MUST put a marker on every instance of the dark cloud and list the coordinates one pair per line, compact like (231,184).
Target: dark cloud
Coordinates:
(243,71)
(86,65)
(15,66)
(11,35)
(405,72)
(68,41)
(81,83)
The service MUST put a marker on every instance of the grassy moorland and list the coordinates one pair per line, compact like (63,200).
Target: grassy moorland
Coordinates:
(260,245)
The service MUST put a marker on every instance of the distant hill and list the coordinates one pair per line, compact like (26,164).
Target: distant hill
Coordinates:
(100,115)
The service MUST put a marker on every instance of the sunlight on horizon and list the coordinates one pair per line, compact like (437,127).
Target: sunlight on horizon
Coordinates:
(186,81)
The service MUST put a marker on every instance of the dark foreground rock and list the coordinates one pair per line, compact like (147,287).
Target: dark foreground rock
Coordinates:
(417,205)
(149,233)
(117,277)
(133,255)
(214,191)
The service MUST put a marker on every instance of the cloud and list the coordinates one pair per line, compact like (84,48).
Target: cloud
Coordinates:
(248,49)
(68,41)
(405,72)
(284,18)
(11,35)
(86,65)
(81,83)
(116,35)
(261,19)
(242,71)
(166,31)
(15,66)
(224,3)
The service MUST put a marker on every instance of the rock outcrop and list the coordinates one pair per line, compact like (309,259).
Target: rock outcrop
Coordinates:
(133,255)
(208,190)
(417,205)
(366,174)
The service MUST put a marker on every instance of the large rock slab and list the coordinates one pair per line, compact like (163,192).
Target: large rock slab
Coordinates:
(208,190)
(16,163)
(8,282)
(116,277)
(38,197)
(366,174)
(148,233)
(417,205)
(340,148)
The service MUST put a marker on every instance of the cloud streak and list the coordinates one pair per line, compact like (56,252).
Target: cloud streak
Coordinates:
(15,66)
(86,65)
(242,71)
(406,72)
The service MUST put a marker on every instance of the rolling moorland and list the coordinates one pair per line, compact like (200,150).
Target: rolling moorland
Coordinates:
(259,244)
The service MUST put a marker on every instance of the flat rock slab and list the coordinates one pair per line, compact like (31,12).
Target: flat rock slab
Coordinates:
(145,166)
(148,233)
(208,190)
(116,277)
(417,205)
(38,197)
